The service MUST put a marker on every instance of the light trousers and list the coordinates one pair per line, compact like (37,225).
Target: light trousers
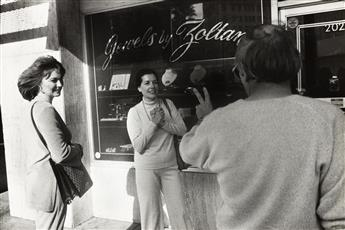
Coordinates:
(150,184)
(54,220)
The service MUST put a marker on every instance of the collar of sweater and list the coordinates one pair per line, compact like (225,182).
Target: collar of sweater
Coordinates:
(151,102)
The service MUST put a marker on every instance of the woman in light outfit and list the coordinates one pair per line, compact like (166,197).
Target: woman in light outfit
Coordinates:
(40,83)
(151,126)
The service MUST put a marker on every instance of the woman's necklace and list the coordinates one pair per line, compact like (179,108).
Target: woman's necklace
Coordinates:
(147,114)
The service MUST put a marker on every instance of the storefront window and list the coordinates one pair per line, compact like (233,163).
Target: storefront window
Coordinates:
(193,41)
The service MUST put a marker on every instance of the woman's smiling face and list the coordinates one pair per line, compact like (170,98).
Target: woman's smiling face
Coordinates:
(52,84)
(149,87)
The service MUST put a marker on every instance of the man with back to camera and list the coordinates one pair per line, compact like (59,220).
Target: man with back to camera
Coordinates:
(279,158)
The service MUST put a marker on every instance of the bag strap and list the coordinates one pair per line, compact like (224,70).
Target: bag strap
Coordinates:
(33,122)
(165,102)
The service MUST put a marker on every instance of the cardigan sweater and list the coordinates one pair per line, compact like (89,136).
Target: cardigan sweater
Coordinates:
(279,162)
(154,146)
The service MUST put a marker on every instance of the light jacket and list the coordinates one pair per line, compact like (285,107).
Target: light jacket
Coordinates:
(40,181)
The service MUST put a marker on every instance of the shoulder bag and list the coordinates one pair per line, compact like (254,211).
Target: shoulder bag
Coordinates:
(72,181)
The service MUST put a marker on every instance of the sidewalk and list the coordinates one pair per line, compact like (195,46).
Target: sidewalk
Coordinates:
(8,222)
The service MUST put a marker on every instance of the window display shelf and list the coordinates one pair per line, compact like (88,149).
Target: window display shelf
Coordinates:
(113,120)
(114,156)
(112,109)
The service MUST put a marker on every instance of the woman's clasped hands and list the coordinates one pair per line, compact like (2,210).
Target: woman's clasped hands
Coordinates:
(158,116)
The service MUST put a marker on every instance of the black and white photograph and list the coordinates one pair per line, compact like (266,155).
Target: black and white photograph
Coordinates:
(172,114)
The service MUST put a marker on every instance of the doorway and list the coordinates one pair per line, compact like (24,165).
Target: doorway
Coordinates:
(320,37)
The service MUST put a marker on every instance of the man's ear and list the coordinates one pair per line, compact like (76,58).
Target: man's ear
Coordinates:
(246,76)
(250,77)
(242,74)
(139,89)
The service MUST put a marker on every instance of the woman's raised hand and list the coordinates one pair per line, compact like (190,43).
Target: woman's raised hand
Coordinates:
(157,116)
(205,107)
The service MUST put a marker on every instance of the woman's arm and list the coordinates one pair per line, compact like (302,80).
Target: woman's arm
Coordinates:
(49,124)
(139,132)
(175,125)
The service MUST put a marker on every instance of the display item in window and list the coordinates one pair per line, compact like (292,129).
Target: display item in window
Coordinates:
(169,77)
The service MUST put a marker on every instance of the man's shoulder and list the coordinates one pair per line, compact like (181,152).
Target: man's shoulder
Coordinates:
(314,103)
(226,111)
(317,108)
